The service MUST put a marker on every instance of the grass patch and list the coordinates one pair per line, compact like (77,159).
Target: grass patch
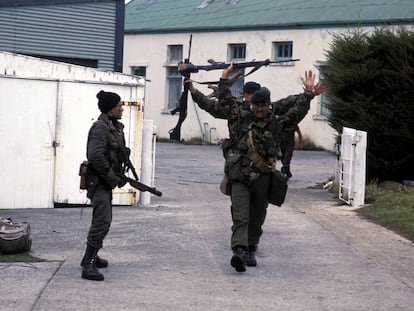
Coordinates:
(20,257)
(392,206)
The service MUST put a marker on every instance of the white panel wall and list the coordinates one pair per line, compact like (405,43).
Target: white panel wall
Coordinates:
(308,45)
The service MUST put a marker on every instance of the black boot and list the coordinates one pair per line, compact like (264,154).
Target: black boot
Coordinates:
(90,271)
(237,261)
(250,256)
(100,262)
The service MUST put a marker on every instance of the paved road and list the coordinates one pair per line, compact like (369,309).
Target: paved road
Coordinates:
(175,253)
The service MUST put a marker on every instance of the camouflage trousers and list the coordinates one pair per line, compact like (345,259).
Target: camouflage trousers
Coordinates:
(101,215)
(248,210)
(287,146)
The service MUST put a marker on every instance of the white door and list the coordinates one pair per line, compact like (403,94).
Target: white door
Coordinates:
(27,155)
(77,111)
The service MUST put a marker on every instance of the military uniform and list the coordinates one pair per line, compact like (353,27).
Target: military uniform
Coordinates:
(250,184)
(105,147)
(106,154)
(232,111)
(250,192)
(291,111)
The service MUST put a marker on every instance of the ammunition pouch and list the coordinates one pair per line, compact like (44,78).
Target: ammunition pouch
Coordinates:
(88,179)
(225,185)
(232,166)
(226,145)
(278,188)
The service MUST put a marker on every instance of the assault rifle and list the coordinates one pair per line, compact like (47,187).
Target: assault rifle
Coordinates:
(175,133)
(187,68)
(135,182)
(141,187)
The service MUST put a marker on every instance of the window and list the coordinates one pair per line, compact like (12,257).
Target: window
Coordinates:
(237,52)
(174,85)
(282,50)
(324,105)
(139,71)
(323,99)
(175,53)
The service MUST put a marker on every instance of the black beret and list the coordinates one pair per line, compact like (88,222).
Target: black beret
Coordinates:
(107,100)
(251,87)
(261,96)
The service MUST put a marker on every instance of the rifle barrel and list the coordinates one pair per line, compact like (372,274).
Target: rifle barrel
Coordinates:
(185,68)
(142,187)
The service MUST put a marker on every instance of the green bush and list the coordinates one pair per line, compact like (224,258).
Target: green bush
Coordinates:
(371,88)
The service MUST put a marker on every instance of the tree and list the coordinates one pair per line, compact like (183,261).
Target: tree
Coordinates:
(371,88)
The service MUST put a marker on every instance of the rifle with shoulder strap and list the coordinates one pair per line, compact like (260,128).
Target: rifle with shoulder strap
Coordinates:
(175,133)
(128,166)
(187,68)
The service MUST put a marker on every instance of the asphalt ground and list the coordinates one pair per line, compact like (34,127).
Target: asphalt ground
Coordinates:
(174,254)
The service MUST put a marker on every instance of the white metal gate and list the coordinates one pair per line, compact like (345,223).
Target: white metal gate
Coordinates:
(352,165)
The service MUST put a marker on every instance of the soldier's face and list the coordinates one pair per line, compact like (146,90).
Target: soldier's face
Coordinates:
(116,112)
(260,111)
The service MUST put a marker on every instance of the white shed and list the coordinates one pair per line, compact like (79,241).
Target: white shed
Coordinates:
(47,109)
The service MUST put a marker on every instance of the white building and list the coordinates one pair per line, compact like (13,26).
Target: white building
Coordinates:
(157,38)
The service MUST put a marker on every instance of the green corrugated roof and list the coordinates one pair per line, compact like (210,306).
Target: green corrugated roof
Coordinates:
(143,16)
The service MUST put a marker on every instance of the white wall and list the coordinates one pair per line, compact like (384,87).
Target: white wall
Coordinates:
(46,104)
(309,45)
(151,50)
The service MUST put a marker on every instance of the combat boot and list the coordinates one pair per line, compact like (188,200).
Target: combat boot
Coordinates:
(100,262)
(90,271)
(237,261)
(250,256)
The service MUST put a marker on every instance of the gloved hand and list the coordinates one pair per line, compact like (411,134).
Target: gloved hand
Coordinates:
(122,181)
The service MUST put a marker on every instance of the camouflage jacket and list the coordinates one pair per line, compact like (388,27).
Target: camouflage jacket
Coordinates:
(266,133)
(292,109)
(230,111)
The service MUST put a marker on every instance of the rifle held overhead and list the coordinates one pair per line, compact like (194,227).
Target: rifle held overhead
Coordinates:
(186,68)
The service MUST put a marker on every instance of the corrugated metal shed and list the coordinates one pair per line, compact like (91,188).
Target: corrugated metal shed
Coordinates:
(146,16)
(73,29)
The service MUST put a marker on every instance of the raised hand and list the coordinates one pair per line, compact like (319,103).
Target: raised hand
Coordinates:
(227,71)
(309,83)
(320,88)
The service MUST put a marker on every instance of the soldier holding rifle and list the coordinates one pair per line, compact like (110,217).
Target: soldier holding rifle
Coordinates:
(254,158)
(105,153)
(251,156)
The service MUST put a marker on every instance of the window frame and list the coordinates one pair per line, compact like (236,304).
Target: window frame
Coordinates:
(237,56)
(134,70)
(323,111)
(173,77)
(276,48)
